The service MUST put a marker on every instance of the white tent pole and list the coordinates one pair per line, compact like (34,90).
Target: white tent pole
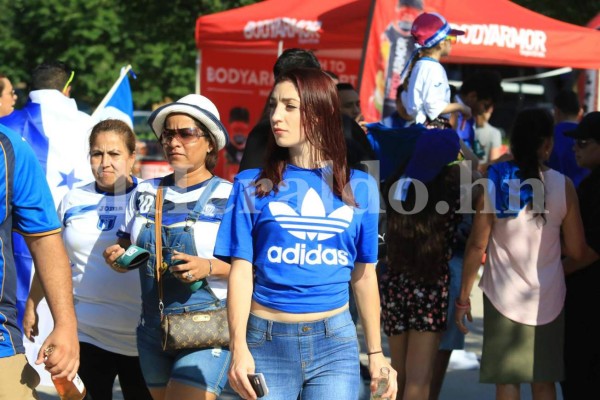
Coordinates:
(596,101)
(547,74)
(198,69)
(279,48)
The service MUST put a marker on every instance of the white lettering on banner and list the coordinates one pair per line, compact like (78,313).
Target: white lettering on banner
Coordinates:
(306,31)
(236,76)
(530,42)
(336,66)
(299,256)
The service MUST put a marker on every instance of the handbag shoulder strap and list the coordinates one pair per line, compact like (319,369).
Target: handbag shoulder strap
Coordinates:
(158,204)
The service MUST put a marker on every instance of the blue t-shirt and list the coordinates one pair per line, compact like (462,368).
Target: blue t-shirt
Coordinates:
(303,240)
(562,158)
(26,206)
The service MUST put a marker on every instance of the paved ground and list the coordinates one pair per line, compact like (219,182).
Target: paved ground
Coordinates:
(462,378)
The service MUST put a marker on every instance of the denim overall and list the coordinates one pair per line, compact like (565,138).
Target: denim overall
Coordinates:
(178,296)
(205,369)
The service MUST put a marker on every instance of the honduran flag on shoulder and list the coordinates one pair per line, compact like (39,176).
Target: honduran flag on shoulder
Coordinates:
(58,133)
(118,102)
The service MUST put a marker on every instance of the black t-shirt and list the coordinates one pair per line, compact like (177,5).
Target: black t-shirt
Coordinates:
(582,286)
(256,146)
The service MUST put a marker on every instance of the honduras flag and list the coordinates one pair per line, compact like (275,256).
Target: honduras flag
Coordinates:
(118,102)
(58,133)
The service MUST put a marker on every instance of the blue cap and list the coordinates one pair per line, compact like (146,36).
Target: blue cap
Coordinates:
(434,149)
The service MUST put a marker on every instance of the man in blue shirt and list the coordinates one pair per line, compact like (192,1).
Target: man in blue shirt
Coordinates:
(567,113)
(27,207)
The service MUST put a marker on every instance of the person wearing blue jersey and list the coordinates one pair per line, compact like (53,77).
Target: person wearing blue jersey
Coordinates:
(567,114)
(191,135)
(27,207)
(297,231)
(107,304)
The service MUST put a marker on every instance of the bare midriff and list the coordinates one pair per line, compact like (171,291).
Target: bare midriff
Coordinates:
(280,316)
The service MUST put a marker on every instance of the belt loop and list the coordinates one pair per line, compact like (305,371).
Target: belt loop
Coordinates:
(327,329)
(269,329)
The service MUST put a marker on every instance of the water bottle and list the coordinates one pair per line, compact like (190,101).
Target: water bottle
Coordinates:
(66,389)
(382,384)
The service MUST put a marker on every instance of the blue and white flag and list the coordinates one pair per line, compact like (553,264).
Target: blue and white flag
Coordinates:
(118,102)
(58,133)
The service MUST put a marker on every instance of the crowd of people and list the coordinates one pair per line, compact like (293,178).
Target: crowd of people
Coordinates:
(306,242)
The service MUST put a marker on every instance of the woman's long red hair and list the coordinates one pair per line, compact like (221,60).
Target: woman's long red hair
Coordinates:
(321,120)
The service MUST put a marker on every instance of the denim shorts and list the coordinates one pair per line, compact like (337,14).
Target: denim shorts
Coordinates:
(452,338)
(205,369)
(309,360)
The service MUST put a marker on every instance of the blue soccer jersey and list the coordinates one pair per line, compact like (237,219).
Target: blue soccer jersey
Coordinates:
(26,207)
(303,240)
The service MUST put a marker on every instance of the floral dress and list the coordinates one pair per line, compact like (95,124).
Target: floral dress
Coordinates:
(412,303)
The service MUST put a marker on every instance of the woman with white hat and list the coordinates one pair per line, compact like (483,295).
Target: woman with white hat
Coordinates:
(191,134)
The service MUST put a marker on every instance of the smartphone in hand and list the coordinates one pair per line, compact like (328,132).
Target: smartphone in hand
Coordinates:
(258,384)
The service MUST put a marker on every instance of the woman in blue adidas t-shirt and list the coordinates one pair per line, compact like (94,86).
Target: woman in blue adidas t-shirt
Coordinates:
(296,232)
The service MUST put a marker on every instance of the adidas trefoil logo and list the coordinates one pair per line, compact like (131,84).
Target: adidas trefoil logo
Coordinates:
(312,222)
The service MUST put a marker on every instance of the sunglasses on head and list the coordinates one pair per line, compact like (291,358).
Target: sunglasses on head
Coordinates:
(451,39)
(583,143)
(183,135)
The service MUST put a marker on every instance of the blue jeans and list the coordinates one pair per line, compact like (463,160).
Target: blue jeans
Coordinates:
(452,338)
(205,369)
(309,360)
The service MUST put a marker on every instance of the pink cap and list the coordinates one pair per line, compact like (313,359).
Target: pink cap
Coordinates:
(428,29)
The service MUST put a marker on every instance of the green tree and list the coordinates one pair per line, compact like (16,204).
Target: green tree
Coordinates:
(97,37)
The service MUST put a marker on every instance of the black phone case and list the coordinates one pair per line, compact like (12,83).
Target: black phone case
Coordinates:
(256,385)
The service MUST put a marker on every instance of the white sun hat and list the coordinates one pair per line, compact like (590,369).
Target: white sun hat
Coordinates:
(197,107)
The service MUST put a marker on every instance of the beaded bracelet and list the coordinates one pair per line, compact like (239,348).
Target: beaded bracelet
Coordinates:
(374,352)
(209,267)
(461,306)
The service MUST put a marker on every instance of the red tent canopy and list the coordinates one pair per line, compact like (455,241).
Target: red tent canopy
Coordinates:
(239,47)
(325,24)
(502,32)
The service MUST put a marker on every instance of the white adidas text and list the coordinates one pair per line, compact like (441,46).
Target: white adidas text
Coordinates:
(298,255)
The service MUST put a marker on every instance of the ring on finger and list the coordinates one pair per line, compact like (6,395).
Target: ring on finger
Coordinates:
(189,276)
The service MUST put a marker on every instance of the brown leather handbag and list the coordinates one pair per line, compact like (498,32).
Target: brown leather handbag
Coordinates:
(194,329)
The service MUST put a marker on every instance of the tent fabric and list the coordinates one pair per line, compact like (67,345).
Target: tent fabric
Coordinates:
(497,32)
(502,32)
(239,47)
(332,24)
